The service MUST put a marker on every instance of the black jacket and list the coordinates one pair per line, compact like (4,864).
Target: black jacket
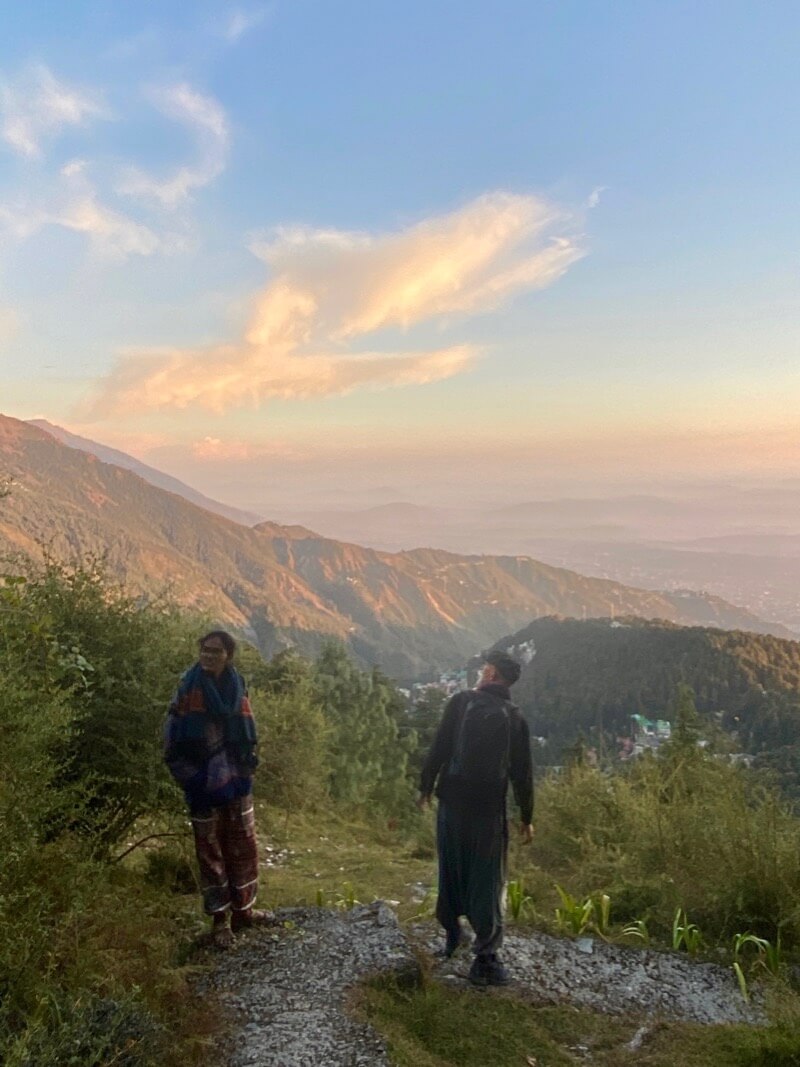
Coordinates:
(489,797)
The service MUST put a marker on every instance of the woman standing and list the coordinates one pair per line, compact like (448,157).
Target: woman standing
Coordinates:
(209,747)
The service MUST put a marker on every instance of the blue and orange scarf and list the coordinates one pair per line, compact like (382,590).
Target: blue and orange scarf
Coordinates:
(210,735)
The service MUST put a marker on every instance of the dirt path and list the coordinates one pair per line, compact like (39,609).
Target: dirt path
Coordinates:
(286,988)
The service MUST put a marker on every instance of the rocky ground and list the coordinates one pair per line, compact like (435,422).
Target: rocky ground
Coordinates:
(286,987)
(588,973)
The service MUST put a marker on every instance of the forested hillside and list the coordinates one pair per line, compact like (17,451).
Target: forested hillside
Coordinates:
(591,676)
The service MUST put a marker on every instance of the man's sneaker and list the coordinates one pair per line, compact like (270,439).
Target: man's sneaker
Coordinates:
(488,970)
(477,972)
(496,974)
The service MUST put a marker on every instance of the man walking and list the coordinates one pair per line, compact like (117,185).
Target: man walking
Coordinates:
(482,742)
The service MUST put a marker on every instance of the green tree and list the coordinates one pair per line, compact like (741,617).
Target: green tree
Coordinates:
(424,719)
(684,718)
(400,742)
(367,758)
(294,769)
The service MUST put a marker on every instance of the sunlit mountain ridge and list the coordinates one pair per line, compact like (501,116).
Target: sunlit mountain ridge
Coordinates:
(412,612)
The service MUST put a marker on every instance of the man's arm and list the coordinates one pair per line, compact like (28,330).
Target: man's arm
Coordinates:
(521,771)
(440,750)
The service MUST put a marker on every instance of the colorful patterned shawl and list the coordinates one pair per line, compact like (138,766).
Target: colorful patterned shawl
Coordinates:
(210,738)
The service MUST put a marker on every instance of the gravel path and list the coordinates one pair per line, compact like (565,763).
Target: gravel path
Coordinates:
(285,988)
(588,973)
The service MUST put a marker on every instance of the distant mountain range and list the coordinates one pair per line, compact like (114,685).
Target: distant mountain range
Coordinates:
(732,516)
(412,612)
(647,541)
(737,543)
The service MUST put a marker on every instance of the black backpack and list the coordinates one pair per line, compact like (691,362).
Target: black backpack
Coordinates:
(481,753)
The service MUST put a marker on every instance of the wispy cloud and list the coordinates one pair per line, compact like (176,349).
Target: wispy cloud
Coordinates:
(207,120)
(223,377)
(464,262)
(37,106)
(332,289)
(217,450)
(74,168)
(110,231)
(240,21)
(77,207)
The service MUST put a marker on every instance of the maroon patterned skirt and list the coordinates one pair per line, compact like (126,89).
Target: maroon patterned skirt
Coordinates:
(225,840)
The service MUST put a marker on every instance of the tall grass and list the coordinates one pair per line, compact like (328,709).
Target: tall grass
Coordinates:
(683,831)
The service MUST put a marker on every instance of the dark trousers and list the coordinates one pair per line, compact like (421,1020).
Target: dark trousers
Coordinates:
(472,871)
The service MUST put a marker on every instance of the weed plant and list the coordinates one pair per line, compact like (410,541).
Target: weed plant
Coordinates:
(519,903)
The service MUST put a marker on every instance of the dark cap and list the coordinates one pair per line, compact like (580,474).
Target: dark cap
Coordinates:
(505,665)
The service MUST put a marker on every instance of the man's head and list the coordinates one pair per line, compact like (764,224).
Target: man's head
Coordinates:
(502,668)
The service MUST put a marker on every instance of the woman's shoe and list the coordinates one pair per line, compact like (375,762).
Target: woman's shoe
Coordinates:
(221,935)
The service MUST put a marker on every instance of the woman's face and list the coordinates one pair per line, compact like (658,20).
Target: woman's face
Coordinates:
(213,657)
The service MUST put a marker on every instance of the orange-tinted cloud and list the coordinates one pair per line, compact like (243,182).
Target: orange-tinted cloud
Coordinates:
(464,262)
(331,289)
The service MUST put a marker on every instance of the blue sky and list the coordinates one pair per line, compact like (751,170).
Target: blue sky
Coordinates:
(316,240)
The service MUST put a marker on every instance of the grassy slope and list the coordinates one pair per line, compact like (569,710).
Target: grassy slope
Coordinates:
(434,1026)
(437,1027)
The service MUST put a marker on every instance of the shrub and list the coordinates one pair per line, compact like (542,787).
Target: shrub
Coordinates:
(105,664)
(685,830)
(86,676)
(93,1033)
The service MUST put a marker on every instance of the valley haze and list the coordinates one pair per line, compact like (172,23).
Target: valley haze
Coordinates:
(737,542)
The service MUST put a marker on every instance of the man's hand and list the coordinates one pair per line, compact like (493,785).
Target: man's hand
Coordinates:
(526,831)
(423,801)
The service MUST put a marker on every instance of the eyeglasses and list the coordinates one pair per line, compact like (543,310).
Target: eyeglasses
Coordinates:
(212,651)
